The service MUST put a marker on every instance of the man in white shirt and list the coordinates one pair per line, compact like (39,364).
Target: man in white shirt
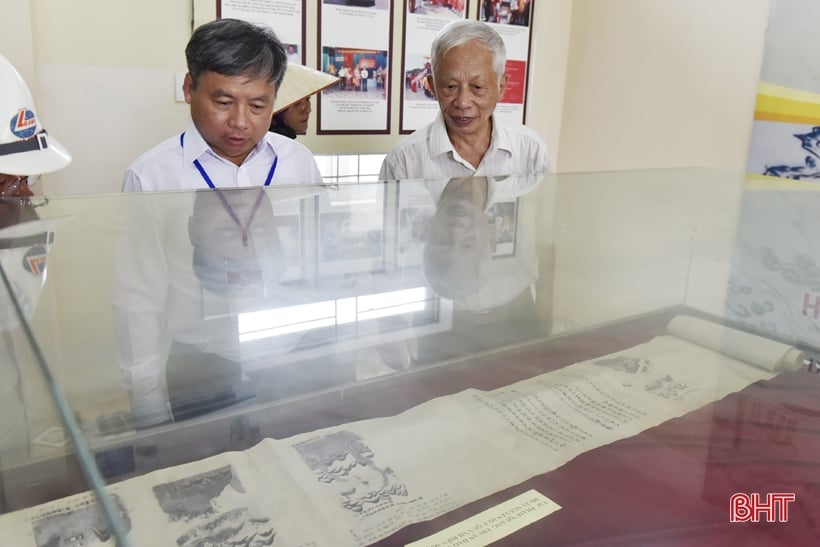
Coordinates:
(457,256)
(364,76)
(189,267)
(500,284)
(234,72)
(468,60)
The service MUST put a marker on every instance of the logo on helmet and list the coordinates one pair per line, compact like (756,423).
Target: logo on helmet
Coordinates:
(24,124)
(34,260)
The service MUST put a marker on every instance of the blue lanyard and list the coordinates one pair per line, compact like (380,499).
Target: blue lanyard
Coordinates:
(208,179)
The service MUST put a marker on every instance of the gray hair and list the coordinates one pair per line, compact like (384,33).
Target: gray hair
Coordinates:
(459,32)
(236,48)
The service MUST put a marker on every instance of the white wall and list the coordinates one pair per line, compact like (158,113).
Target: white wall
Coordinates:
(106,83)
(633,242)
(661,83)
(15,36)
(548,70)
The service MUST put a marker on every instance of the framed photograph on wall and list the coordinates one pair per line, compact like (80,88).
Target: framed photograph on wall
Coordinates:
(423,19)
(285,17)
(512,20)
(355,45)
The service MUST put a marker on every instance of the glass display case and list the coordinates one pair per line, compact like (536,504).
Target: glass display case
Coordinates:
(624,358)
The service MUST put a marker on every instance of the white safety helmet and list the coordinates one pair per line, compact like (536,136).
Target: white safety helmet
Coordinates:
(24,250)
(25,147)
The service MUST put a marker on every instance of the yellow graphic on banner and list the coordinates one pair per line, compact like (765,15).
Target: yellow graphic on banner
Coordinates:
(783,104)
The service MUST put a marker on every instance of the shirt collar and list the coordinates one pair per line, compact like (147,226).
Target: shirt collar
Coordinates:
(501,138)
(194,146)
(440,141)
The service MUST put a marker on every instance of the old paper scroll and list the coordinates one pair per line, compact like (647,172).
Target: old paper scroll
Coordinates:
(359,482)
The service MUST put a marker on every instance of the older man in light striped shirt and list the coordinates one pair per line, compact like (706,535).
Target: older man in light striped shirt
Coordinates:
(468,59)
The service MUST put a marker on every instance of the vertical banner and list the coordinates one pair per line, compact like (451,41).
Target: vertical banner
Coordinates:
(786,132)
(285,17)
(774,286)
(511,19)
(354,44)
(422,21)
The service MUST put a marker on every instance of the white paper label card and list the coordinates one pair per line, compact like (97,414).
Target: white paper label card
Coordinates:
(494,523)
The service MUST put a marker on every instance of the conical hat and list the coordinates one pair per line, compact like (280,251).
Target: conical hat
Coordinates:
(299,83)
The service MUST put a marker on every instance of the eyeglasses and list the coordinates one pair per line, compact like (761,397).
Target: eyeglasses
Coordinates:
(14,188)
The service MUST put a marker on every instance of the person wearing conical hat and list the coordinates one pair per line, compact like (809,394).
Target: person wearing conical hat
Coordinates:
(292,112)
(26,151)
(184,277)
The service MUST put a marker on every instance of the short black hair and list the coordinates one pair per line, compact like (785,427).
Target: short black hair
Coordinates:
(232,47)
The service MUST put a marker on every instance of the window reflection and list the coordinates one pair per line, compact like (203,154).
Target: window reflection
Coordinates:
(358,313)
(350,168)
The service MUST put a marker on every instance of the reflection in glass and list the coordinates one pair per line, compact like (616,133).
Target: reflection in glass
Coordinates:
(25,242)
